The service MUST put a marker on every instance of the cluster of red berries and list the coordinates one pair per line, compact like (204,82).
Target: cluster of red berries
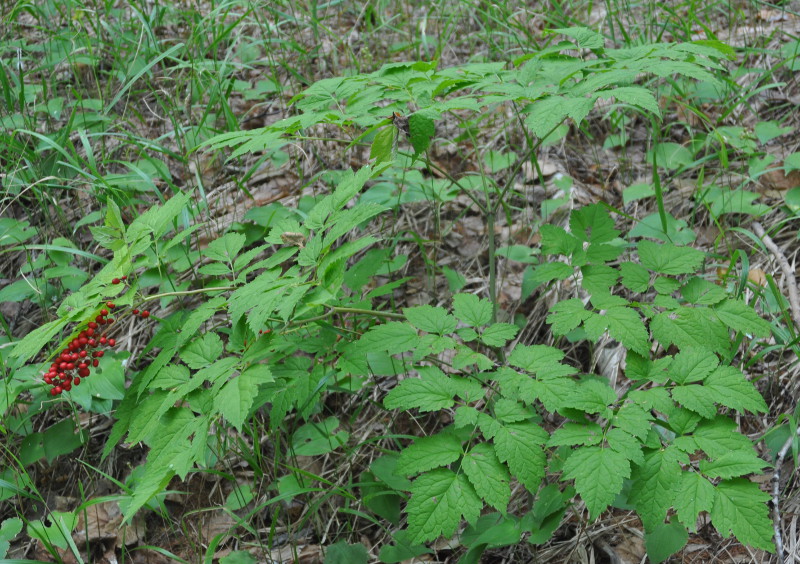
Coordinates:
(75,361)
(85,351)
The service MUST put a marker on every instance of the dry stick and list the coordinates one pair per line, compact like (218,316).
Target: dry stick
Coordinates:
(788,273)
(794,304)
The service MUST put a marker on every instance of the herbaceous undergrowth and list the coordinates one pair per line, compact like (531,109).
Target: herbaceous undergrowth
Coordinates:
(667,431)
(662,440)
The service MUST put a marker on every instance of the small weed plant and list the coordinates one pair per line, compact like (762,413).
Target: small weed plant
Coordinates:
(277,322)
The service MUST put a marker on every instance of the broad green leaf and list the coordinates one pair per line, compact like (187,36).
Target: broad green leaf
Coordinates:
(664,540)
(566,315)
(430,392)
(635,277)
(225,248)
(393,337)
(741,317)
(572,434)
(703,292)
(593,224)
(556,241)
(537,358)
(382,144)
(599,474)
(202,351)
(666,258)
(519,445)
(36,339)
(689,328)
(633,419)
(499,334)
(732,390)
(488,476)
(593,396)
(720,436)
(439,500)
(427,453)
(699,399)
(694,494)
(472,310)
(343,221)
(740,508)
(510,411)
(598,278)
(236,397)
(586,38)
(546,114)
(171,453)
(654,483)
(733,464)
(635,96)
(431,319)
(549,271)
(625,444)
(692,365)
(625,325)
(421,132)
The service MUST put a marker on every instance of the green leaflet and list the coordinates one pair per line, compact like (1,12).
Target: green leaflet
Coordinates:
(428,453)
(472,310)
(666,258)
(740,508)
(439,500)
(694,494)
(654,483)
(598,473)
(488,476)
(519,444)
(431,391)
(431,319)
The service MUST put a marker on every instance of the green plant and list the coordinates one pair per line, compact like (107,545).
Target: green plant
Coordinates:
(276,320)
(661,441)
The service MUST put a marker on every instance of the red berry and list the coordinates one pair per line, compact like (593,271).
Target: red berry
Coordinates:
(95,363)
(145,314)
(70,366)
(58,389)
(103,311)
(83,341)
(124,278)
(48,380)
(103,340)
(115,281)
(92,325)
(62,365)
(100,354)
(82,354)
(53,392)
(83,373)
(67,387)
(110,305)
(112,342)
(77,381)
(92,343)
(90,332)
(135,312)
(110,320)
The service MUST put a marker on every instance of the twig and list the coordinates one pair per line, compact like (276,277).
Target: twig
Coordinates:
(776,492)
(788,273)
